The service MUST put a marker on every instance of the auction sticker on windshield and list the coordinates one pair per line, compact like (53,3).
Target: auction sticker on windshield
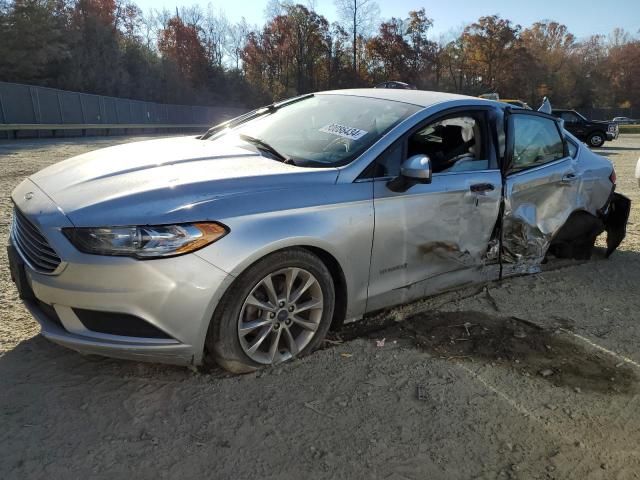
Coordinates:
(345,132)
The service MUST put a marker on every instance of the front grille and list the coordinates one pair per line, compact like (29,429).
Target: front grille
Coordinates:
(33,245)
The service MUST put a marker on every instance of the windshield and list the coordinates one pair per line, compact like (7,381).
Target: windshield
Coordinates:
(320,131)
(581,116)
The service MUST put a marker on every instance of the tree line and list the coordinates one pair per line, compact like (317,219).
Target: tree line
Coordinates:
(198,56)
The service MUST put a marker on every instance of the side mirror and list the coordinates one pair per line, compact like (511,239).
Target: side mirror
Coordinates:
(417,168)
(414,170)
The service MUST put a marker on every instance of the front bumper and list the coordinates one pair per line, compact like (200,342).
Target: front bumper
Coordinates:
(176,296)
(612,135)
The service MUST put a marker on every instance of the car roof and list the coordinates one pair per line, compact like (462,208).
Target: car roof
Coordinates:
(421,98)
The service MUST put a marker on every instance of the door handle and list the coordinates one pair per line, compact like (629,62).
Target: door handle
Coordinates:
(481,187)
(568,178)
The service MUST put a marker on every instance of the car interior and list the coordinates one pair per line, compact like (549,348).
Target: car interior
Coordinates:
(453,145)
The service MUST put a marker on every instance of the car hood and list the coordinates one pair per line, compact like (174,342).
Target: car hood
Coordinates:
(149,180)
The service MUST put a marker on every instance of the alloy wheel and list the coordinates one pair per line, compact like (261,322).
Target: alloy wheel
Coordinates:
(280,316)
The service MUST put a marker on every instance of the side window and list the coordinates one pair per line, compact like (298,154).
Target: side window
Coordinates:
(569,117)
(388,164)
(536,141)
(454,144)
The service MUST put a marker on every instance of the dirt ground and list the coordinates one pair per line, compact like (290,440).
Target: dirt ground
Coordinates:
(534,377)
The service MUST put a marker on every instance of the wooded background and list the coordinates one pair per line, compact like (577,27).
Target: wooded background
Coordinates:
(198,56)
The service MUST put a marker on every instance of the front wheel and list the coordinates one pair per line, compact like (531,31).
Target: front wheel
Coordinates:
(278,309)
(596,139)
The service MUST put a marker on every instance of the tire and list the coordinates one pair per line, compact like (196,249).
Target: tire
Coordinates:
(577,236)
(596,139)
(231,346)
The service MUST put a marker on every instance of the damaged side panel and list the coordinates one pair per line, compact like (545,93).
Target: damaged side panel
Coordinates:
(540,201)
(432,237)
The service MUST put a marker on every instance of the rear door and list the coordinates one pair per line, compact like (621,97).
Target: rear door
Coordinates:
(541,187)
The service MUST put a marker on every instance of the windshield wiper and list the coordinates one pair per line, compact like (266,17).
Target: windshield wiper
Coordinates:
(234,122)
(262,145)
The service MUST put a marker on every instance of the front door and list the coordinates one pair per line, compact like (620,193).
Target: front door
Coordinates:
(435,236)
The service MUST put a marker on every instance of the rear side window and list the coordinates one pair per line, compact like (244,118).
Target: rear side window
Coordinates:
(537,141)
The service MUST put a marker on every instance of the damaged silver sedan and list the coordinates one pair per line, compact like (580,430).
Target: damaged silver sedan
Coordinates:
(251,241)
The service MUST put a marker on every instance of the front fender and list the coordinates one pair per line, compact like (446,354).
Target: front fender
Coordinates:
(343,228)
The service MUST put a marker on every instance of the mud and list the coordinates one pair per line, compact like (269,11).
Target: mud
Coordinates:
(530,350)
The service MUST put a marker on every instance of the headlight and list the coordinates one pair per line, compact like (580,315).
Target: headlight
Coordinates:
(145,241)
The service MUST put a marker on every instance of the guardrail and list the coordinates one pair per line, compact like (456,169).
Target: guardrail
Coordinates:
(42,111)
(630,129)
(14,128)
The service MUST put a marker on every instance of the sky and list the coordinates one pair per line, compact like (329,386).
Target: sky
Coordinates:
(583,17)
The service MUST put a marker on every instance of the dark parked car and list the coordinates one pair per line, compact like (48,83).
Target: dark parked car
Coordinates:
(625,121)
(593,132)
(396,84)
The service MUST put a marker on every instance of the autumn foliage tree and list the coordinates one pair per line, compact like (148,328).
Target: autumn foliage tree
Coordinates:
(33,41)
(490,44)
(388,51)
(402,49)
(291,55)
(623,68)
(180,43)
(196,56)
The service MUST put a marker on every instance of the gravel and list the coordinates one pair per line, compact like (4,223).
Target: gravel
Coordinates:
(457,390)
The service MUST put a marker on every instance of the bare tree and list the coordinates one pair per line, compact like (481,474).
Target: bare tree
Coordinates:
(193,16)
(163,16)
(151,25)
(275,8)
(215,33)
(237,39)
(619,37)
(358,18)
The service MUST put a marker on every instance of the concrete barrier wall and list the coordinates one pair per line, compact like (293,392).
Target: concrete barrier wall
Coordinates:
(41,105)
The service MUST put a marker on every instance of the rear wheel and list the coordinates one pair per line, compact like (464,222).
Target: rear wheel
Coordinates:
(577,236)
(596,139)
(278,309)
